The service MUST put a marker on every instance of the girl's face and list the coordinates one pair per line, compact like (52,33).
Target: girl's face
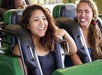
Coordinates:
(84,15)
(38,23)
(20,4)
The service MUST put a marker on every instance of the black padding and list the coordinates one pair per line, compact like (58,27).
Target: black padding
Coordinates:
(65,23)
(72,27)
(27,48)
(69,11)
(16,17)
(59,55)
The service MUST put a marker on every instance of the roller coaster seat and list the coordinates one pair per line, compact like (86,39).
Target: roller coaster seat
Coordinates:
(65,10)
(57,11)
(9,64)
(71,26)
(12,16)
(65,18)
(92,68)
(27,50)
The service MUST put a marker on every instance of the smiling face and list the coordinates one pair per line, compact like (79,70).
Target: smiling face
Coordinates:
(84,14)
(38,23)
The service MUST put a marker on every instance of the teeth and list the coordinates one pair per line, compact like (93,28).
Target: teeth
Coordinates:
(41,28)
(82,20)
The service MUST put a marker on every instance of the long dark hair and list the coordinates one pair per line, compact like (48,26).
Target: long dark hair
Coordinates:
(48,40)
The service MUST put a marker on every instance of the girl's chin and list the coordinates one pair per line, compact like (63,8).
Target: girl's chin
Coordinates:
(83,24)
(42,35)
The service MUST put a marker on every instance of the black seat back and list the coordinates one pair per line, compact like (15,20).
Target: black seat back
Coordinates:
(27,49)
(69,11)
(72,27)
(65,10)
(12,16)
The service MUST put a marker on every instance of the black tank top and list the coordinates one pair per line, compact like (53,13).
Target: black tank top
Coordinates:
(47,63)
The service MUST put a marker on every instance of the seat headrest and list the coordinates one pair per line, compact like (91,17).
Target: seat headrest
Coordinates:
(57,11)
(16,17)
(65,10)
(12,16)
(69,10)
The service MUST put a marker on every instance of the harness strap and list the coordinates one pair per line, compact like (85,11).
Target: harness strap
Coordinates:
(27,49)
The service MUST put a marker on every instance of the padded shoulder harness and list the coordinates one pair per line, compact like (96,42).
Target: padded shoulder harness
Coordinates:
(28,51)
(72,27)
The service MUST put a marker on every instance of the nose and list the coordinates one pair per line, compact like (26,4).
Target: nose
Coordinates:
(41,22)
(82,13)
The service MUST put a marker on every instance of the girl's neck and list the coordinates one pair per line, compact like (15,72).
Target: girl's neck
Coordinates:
(41,50)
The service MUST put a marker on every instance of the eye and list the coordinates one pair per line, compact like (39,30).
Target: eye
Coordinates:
(87,11)
(79,11)
(44,18)
(35,19)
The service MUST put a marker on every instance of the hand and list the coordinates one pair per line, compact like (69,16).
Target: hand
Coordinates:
(60,33)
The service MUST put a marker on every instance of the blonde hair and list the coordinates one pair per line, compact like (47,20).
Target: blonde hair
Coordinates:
(93,6)
(94,35)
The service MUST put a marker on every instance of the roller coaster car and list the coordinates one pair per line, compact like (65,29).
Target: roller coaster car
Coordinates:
(11,33)
(92,68)
(9,64)
(72,27)
(27,51)
(65,16)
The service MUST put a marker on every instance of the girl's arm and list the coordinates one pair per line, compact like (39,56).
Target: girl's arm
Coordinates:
(75,59)
(72,46)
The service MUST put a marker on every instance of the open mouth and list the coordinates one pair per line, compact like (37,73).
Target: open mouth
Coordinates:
(82,20)
(41,28)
